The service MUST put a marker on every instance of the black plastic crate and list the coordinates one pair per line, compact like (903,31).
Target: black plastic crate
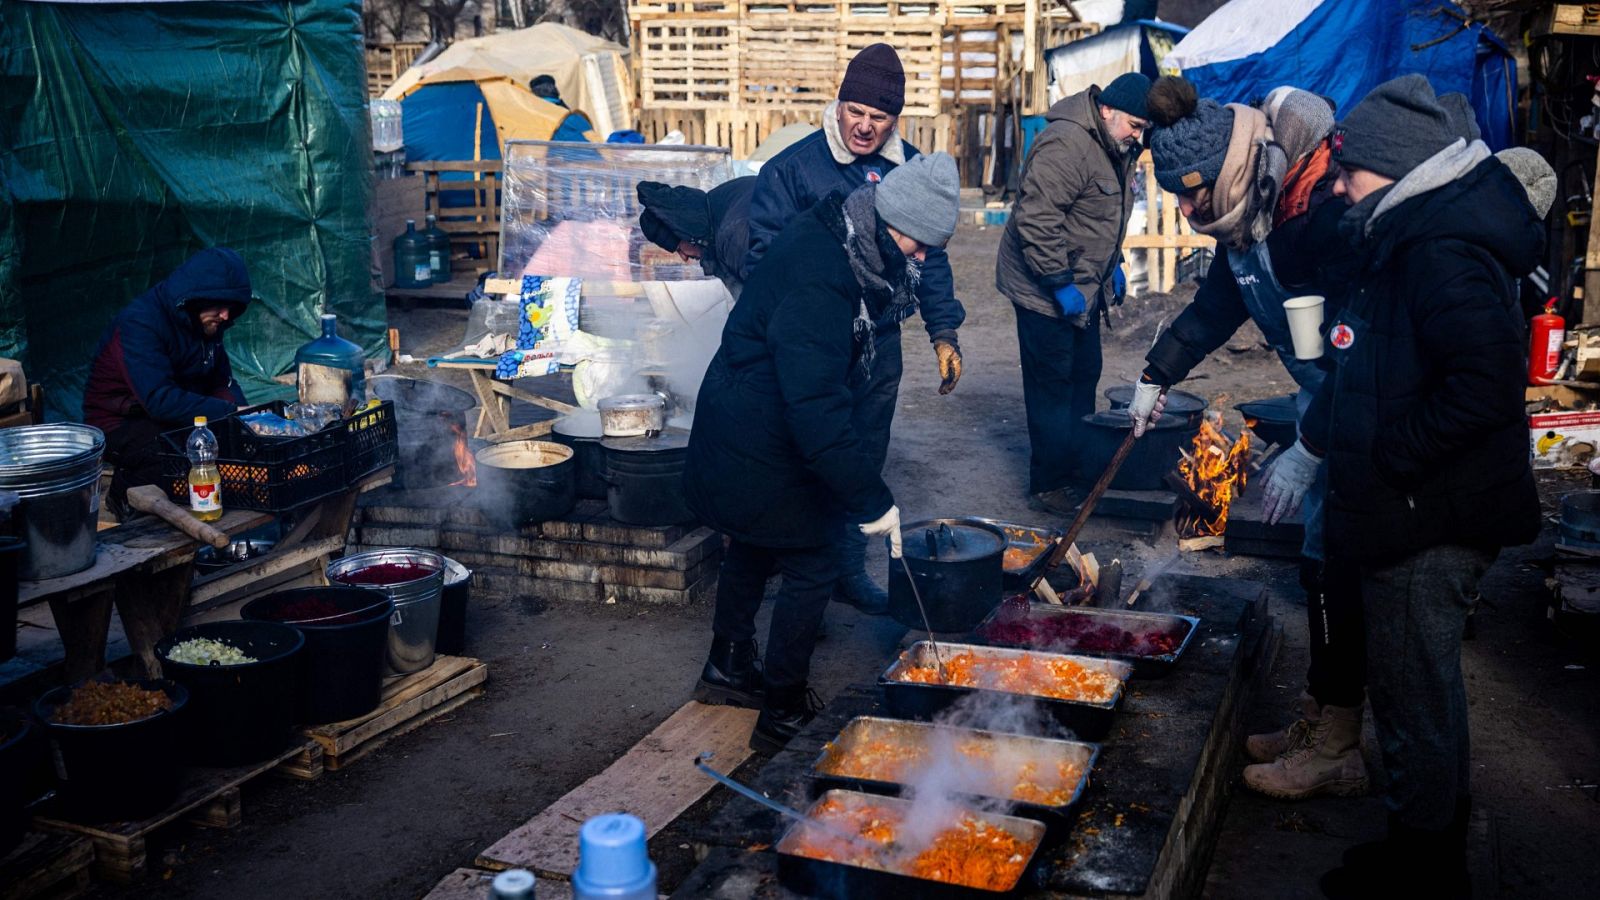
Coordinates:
(371,441)
(270,474)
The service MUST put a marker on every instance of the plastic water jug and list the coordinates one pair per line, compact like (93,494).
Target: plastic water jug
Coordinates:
(413,267)
(330,369)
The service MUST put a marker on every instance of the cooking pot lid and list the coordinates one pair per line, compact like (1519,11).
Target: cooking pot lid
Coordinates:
(668,439)
(632,401)
(946,541)
(1178,402)
(1118,418)
(1280,410)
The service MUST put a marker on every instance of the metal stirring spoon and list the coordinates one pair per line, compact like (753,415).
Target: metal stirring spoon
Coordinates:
(745,790)
(938,661)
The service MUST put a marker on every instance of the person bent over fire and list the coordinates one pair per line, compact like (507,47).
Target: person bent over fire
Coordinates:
(776,460)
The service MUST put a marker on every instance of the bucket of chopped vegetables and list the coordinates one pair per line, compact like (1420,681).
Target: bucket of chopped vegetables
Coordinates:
(117,745)
(243,682)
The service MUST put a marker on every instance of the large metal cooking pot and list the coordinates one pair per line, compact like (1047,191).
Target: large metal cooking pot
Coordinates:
(522,482)
(644,478)
(55,469)
(413,579)
(631,415)
(958,565)
(1274,420)
(1180,404)
(582,432)
(428,415)
(1151,458)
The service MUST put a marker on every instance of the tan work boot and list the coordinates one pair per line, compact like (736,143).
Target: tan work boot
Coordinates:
(1264,748)
(1326,761)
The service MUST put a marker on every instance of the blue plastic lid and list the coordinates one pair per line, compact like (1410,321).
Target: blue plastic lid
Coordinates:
(612,859)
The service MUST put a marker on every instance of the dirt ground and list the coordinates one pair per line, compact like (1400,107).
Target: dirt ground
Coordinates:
(573,686)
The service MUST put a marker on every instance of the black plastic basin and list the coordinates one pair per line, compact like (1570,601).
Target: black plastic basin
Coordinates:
(240,713)
(347,635)
(127,771)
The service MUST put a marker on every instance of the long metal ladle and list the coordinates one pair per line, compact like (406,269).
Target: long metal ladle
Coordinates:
(744,790)
(938,660)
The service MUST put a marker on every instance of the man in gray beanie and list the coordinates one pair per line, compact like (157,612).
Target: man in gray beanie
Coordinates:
(778,460)
(859,143)
(1060,265)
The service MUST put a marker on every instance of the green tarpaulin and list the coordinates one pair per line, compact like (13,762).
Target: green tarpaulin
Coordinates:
(132,136)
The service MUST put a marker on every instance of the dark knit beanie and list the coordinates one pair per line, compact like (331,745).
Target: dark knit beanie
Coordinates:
(1127,94)
(1188,135)
(876,78)
(1395,128)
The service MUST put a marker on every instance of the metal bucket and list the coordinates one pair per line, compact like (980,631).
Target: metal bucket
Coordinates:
(55,469)
(414,626)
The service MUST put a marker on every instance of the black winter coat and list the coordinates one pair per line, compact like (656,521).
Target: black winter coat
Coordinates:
(773,459)
(1422,415)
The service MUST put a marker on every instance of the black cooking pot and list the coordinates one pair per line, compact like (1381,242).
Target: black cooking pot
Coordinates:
(644,478)
(124,771)
(581,431)
(238,713)
(1273,420)
(958,565)
(1151,458)
(522,482)
(1180,404)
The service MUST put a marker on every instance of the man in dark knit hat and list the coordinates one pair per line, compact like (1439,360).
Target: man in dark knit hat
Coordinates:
(1420,419)
(1060,265)
(858,144)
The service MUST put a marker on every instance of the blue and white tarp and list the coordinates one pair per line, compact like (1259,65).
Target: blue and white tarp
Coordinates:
(1344,48)
(1140,46)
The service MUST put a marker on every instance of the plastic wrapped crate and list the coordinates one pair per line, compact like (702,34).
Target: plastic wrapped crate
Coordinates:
(372,441)
(270,474)
(572,209)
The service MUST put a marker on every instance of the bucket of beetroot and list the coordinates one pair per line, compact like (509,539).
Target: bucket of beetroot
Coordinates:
(414,580)
(346,630)
(243,679)
(118,746)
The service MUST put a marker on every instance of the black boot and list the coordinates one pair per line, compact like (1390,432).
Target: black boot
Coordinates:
(858,590)
(786,711)
(732,675)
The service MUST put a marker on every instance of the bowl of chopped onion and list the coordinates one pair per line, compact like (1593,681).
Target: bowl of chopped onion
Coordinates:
(243,681)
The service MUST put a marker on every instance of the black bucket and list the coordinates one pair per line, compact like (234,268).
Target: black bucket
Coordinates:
(239,713)
(24,774)
(347,636)
(11,550)
(644,478)
(452,639)
(127,771)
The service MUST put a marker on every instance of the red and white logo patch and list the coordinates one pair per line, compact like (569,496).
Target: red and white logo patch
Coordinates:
(1342,336)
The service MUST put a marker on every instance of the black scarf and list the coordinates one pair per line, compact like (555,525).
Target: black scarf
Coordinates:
(887,278)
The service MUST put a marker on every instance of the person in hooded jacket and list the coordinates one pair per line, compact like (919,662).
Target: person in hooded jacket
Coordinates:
(1421,422)
(776,460)
(710,226)
(859,143)
(162,362)
(1060,265)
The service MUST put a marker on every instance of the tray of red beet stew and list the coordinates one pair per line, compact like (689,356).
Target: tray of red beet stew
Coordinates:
(1152,642)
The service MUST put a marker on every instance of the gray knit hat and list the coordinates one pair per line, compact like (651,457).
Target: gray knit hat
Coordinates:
(1537,178)
(1462,115)
(1299,120)
(1189,136)
(921,198)
(1395,128)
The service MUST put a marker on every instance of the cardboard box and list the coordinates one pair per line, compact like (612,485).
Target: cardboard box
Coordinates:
(1563,440)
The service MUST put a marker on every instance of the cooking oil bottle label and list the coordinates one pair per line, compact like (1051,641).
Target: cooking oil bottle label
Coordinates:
(205,497)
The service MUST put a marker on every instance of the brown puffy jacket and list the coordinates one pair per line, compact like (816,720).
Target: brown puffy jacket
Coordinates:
(1071,212)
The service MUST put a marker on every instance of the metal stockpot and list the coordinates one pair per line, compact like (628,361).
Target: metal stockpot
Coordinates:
(958,565)
(522,482)
(632,415)
(414,626)
(55,469)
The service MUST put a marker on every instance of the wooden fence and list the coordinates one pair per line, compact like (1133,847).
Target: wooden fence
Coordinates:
(1166,237)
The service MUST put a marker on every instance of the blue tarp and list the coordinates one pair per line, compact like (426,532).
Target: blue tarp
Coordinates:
(1344,48)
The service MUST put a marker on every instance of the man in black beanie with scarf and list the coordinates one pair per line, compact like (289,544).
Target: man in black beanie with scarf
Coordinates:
(1421,422)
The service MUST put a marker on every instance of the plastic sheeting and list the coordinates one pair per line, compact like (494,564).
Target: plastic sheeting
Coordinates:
(133,136)
(573,209)
(1098,60)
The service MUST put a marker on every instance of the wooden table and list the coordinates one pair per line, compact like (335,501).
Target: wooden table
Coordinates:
(145,568)
(494,399)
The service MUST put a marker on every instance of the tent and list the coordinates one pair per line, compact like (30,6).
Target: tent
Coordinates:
(590,72)
(460,114)
(135,135)
(1140,46)
(1344,48)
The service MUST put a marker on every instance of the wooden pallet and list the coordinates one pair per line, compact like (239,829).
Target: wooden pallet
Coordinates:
(688,63)
(408,702)
(640,9)
(788,60)
(896,11)
(206,797)
(46,867)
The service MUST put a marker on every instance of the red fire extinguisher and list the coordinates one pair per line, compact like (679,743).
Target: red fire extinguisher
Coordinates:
(1548,333)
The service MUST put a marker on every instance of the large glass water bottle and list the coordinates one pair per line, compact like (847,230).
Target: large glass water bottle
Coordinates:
(438,249)
(330,369)
(412,266)
(205,481)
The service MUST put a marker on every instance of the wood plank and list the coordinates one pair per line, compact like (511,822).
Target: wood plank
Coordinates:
(655,780)
(213,586)
(46,867)
(403,699)
(334,763)
(473,884)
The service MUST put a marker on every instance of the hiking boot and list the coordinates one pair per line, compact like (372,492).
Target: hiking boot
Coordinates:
(732,675)
(858,590)
(785,712)
(1264,748)
(1327,760)
(1061,501)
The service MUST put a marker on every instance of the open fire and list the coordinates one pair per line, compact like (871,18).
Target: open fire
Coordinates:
(465,463)
(1214,473)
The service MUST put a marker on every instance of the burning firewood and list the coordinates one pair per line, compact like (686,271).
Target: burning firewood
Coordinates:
(1211,474)
(1202,542)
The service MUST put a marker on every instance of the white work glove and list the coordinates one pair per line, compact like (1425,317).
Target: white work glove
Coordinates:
(1287,482)
(886,525)
(1148,402)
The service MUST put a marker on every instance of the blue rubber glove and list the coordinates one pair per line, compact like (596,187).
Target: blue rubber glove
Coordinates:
(1071,300)
(1119,283)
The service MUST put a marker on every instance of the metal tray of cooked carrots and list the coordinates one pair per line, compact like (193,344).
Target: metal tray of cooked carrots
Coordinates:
(1151,642)
(818,864)
(1037,777)
(991,669)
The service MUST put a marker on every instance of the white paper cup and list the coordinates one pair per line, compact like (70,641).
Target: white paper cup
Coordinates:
(1305,325)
